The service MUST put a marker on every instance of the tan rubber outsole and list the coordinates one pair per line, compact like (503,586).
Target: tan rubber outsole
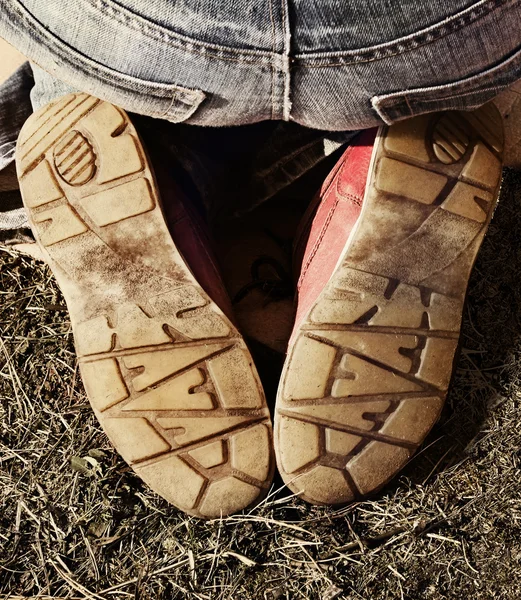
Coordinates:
(368,372)
(167,374)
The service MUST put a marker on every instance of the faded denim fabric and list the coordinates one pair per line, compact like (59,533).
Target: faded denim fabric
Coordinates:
(13,113)
(325,64)
(298,76)
(225,171)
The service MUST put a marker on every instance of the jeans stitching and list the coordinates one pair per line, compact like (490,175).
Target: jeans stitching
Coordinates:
(240,57)
(162,34)
(486,82)
(112,77)
(412,42)
(168,110)
(312,60)
(414,102)
(170,89)
(273,34)
(286,33)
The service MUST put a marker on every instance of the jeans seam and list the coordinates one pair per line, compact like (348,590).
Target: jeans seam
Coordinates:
(286,60)
(148,28)
(273,34)
(487,82)
(113,79)
(408,43)
(170,90)
(412,102)
(243,57)
(306,60)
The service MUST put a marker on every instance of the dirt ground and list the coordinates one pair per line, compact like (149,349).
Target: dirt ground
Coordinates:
(75,522)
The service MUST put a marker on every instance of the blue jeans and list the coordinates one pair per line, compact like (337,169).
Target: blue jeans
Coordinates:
(325,64)
(226,171)
(299,76)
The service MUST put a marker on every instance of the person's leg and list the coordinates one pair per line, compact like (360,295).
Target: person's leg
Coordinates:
(322,65)
(165,369)
(384,272)
(361,64)
(397,229)
(280,69)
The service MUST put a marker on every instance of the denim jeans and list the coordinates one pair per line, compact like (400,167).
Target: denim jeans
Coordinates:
(325,64)
(270,81)
(225,171)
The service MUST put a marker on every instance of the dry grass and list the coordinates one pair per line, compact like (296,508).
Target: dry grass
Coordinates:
(75,522)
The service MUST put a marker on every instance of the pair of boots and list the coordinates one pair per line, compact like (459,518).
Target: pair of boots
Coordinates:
(385,252)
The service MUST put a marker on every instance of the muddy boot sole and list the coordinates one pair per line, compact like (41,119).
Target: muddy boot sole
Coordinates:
(368,372)
(167,374)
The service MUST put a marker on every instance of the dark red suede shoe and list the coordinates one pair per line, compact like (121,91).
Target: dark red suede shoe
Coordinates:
(166,371)
(380,298)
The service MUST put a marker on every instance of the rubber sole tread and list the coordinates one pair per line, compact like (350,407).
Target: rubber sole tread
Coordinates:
(167,374)
(368,372)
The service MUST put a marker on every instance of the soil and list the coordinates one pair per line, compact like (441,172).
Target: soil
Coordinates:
(75,522)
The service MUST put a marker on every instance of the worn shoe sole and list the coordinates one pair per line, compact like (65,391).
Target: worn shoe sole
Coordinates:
(368,372)
(167,374)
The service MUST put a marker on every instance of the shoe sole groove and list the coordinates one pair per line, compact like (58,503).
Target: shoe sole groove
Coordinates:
(165,371)
(390,315)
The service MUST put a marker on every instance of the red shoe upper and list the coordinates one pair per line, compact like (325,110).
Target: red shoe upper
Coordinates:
(327,224)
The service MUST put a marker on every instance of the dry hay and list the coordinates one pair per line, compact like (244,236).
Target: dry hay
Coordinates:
(75,522)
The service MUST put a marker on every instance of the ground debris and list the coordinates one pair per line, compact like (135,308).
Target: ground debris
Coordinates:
(448,527)
(331,593)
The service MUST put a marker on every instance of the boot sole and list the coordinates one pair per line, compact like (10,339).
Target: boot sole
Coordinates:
(368,372)
(168,375)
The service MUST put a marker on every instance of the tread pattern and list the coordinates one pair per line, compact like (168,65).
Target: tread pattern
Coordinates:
(169,377)
(368,373)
